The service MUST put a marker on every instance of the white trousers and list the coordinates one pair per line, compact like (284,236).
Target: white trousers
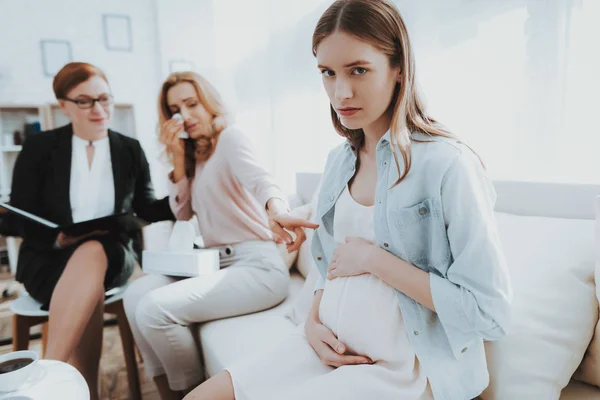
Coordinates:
(160,309)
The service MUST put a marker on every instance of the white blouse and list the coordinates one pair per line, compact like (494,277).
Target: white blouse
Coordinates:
(92,190)
(352,219)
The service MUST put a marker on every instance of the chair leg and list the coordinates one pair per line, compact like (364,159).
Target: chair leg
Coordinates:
(20,335)
(44,339)
(139,354)
(133,377)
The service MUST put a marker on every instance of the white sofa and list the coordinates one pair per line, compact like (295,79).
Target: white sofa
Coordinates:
(533,376)
(547,231)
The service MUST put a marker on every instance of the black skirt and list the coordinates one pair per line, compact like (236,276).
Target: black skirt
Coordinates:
(40,270)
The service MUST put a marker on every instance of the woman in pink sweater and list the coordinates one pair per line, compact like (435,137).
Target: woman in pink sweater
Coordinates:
(238,206)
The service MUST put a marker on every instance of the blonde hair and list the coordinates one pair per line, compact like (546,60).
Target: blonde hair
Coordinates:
(378,22)
(202,148)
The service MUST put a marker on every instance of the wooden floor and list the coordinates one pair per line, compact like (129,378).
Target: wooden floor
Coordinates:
(113,375)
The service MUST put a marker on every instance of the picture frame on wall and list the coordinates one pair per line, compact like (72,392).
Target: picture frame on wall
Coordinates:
(181,65)
(117,32)
(55,54)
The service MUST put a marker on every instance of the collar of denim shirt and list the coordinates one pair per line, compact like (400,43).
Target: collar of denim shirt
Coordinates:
(384,140)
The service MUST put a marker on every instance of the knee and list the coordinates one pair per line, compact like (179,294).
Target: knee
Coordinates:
(137,289)
(131,299)
(150,314)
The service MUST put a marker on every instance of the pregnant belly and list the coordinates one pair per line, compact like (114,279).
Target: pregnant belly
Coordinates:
(363,312)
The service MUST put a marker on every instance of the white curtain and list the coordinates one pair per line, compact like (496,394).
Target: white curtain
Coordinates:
(516,79)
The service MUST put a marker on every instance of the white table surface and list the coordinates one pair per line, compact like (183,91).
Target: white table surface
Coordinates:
(51,380)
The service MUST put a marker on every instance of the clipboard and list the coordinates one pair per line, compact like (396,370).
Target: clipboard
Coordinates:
(116,223)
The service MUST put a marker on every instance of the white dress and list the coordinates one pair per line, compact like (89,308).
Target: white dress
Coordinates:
(363,312)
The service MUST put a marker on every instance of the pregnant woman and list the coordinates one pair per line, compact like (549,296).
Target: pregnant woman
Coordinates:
(412,275)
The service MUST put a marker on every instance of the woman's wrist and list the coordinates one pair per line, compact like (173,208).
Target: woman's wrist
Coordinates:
(276,206)
(375,259)
(178,169)
(179,159)
(382,259)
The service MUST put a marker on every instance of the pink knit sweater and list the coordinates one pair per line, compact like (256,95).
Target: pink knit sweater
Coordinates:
(228,194)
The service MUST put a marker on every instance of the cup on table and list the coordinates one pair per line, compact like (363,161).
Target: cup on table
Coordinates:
(16,368)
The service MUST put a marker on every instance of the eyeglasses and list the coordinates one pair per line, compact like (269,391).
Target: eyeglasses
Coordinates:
(104,100)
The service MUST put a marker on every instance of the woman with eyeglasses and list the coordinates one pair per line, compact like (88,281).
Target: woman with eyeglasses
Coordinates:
(74,173)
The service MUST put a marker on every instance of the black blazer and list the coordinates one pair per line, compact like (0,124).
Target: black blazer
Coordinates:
(42,178)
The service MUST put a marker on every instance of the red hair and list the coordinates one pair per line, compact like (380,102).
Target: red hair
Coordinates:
(72,75)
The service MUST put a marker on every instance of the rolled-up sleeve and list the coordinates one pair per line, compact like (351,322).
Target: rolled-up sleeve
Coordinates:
(320,284)
(474,300)
(180,198)
(251,174)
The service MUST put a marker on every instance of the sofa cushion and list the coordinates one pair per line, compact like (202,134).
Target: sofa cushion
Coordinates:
(294,200)
(226,340)
(589,370)
(307,267)
(299,310)
(289,259)
(554,308)
(305,262)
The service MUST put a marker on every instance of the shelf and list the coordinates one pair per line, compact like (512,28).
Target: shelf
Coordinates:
(23,118)
(19,107)
(10,149)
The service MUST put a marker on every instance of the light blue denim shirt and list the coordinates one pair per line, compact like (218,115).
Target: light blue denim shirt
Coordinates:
(439,219)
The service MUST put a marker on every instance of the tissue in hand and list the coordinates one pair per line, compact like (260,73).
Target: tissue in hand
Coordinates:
(180,258)
(179,118)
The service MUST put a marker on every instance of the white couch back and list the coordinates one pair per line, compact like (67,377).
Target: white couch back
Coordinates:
(521,198)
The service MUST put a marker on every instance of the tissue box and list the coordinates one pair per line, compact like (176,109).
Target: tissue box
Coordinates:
(181,263)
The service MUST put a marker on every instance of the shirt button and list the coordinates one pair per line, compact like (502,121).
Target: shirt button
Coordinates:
(386,244)
(422,211)
(416,332)
(464,350)
(319,258)
(331,198)
(177,199)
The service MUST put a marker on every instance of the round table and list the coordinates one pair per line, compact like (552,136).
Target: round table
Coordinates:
(51,380)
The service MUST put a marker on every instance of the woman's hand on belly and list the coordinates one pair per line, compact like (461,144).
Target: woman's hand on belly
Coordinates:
(323,342)
(354,257)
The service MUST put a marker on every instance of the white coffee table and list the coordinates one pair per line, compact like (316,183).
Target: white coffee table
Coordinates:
(52,380)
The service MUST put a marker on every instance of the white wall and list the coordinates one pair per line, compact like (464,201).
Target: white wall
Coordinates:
(134,76)
(185,30)
(186,33)
(515,78)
